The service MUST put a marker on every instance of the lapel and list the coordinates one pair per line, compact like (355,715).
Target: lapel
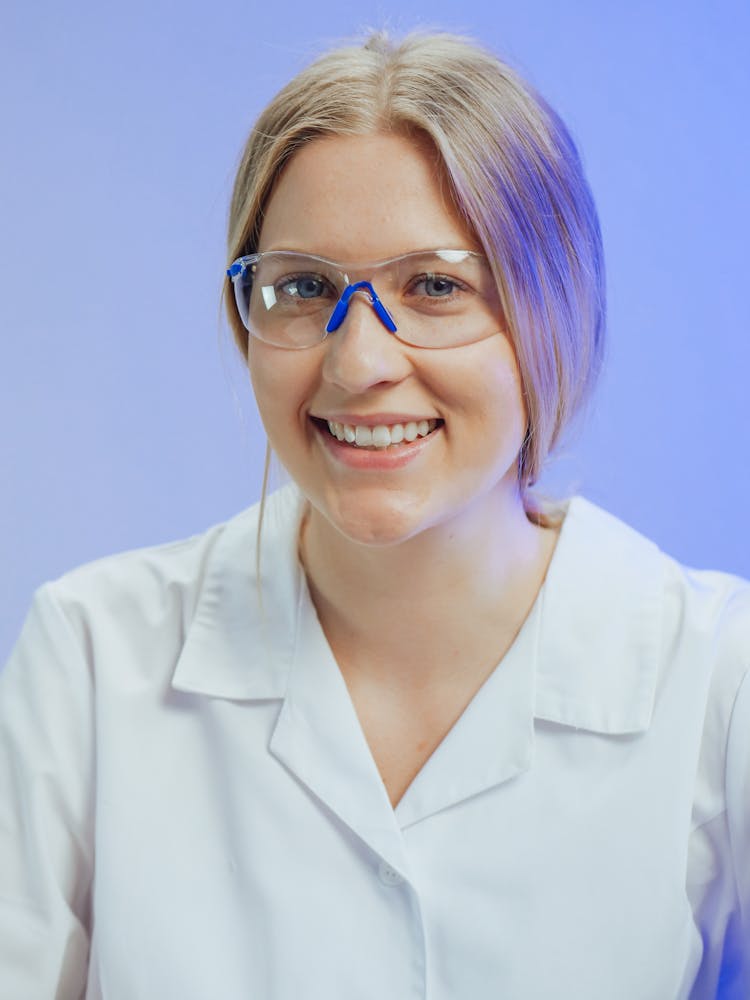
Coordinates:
(318,737)
(245,645)
(586,657)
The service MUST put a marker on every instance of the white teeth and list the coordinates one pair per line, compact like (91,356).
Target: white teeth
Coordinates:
(381,436)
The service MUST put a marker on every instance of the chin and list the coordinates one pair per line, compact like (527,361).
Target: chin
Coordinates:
(378,523)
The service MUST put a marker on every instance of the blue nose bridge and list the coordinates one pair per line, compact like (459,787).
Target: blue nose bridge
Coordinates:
(342,307)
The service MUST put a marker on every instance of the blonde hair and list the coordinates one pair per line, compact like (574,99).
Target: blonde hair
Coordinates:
(515,176)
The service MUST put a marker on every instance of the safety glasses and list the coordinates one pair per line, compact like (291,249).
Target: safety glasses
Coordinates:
(432,298)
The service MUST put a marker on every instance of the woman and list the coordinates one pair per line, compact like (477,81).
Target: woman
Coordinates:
(403,730)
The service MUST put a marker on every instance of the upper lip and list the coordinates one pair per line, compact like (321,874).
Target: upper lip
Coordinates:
(372,419)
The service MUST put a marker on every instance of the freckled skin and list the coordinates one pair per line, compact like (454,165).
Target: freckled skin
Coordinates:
(369,198)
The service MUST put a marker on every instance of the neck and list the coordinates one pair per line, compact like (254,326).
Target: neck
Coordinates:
(466,584)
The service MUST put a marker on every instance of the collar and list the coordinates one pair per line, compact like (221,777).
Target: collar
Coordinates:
(240,643)
(597,634)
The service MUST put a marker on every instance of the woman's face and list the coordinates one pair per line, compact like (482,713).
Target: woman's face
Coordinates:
(368,198)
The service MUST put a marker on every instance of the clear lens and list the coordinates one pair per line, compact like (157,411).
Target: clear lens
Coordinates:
(441,298)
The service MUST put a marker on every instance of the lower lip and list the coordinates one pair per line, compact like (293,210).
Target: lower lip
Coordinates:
(393,457)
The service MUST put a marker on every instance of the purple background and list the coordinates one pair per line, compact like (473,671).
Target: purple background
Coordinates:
(126,416)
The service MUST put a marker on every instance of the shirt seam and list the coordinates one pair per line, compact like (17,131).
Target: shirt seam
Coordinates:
(733,847)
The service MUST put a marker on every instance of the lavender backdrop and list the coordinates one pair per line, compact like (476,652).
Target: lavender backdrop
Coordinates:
(126,418)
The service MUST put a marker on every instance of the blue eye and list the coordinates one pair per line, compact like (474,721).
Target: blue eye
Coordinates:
(304,286)
(436,286)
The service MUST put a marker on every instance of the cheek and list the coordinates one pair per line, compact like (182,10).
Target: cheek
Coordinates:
(282,382)
(483,382)
(504,386)
(509,393)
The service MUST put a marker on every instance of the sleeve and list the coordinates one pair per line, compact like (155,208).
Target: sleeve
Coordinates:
(46,808)
(738,818)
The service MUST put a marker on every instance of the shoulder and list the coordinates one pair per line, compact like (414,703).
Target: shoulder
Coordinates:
(707,607)
(697,626)
(146,600)
(145,585)
(636,630)
(707,630)
(629,634)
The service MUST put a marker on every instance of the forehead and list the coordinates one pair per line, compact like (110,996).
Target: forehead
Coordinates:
(363,197)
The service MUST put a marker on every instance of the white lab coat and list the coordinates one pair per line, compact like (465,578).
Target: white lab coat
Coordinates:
(189,808)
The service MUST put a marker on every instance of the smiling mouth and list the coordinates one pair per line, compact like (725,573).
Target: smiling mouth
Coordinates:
(380,437)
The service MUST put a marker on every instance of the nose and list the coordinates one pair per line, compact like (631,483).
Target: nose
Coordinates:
(362,353)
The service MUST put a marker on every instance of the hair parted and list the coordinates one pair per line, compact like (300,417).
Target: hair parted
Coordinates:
(515,176)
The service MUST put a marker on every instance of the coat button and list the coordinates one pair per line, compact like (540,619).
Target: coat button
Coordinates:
(388,875)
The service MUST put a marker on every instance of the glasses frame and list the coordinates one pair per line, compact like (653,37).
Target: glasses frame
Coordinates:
(238,268)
